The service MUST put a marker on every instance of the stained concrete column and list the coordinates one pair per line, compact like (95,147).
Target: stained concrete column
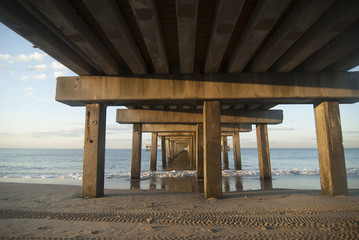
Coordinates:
(153,162)
(172,146)
(168,150)
(136,151)
(333,177)
(225,152)
(94,151)
(212,150)
(194,150)
(163,151)
(237,151)
(263,152)
(199,151)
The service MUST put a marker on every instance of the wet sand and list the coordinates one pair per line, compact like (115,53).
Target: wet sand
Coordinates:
(49,211)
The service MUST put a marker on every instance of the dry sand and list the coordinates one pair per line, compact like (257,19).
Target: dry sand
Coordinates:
(55,211)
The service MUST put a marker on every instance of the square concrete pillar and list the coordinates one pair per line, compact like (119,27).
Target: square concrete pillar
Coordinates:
(94,151)
(333,176)
(163,151)
(136,151)
(194,146)
(263,152)
(153,163)
(237,151)
(168,150)
(199,151)
(212,150)
(225,152)
(172,150)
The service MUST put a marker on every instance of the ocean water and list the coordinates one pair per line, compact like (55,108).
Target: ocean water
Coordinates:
(291,168)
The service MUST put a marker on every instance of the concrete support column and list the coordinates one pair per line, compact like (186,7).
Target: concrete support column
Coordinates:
(212,149)
(225,152)
(194,150)
(136,151)
(163,151)
(333,177)
(237,151)
(199,151)
(153,163)
(94,151)
(168,150)
(172,146)
(263,152)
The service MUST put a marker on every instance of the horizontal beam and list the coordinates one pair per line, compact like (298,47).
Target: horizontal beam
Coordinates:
(192,128)
(276,88)
(164,117)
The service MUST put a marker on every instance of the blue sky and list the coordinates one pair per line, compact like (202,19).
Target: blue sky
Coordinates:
(31,118)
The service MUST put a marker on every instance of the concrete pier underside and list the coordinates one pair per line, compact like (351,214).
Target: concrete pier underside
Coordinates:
(201,63)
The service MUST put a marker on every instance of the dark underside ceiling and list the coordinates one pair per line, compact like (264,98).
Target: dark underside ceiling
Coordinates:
(144,37)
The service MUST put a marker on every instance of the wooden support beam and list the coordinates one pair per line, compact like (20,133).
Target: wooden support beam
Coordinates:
(193,128)
(342,45)
(325,29)
(293,87)
(346,63)
(153,163)
(333,176)
(225,152)
(264,17)
(136,151)
(199,151)
(225,20)
(145,12)
(16,17)
(112,22)
(168,150)
(163,151)
(131,116)
(212,150)
(94,151)
(300,18)
(237,151)
(263,152)
(65,17)
(187,13)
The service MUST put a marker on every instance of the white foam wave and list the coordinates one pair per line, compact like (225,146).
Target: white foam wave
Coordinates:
(180,173)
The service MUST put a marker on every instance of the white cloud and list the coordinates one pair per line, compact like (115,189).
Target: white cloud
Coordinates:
(24,77)
(6,57)
(58,74)
(46,100)
(282,129)
(39,68)
(40,77)
(29,89)
(58,66)
(34,56)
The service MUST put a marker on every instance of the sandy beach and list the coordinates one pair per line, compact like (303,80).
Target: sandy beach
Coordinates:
(57,211)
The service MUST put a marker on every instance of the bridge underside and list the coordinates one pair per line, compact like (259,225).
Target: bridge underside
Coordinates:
(216,60)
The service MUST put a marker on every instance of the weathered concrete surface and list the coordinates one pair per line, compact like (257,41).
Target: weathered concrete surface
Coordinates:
(153,162)
(192,128)
(263,152)
(136,151)
(163,151)
(333,177)
(225,152)
(94,151)
(212,150)
(237,151)
(199,151)
(187,12)
(131,116)
(168,150)
(292,87)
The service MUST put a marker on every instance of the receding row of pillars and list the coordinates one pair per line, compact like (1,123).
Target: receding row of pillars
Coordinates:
(329,138)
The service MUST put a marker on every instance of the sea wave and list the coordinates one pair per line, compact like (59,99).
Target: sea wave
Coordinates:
(180,173)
